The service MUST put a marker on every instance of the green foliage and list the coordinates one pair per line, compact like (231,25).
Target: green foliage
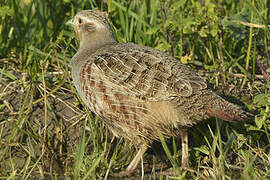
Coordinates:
(263,102)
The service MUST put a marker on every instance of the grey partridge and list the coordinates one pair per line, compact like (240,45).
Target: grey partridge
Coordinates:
(139,91)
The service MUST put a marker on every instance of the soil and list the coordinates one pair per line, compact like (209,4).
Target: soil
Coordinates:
(59,135)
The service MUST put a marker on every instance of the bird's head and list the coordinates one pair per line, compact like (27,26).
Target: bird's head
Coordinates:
(92,27)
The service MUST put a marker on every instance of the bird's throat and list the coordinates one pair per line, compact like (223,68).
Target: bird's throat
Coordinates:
(95,41)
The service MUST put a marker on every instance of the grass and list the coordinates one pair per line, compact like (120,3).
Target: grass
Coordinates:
(46,131)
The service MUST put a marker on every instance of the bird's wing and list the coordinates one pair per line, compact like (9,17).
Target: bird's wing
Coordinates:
(147,73)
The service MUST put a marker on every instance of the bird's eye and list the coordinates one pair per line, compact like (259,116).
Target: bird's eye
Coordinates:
(80,20)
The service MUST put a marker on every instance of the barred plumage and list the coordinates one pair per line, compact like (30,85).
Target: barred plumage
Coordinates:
(139,90)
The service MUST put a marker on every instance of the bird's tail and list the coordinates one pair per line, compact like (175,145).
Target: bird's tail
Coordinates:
(227,111)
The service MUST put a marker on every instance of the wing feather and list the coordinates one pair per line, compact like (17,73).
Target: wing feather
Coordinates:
(147,73)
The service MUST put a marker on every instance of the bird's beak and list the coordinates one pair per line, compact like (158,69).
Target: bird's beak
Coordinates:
(70,22)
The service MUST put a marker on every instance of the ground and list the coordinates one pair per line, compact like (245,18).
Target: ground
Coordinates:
(53,139)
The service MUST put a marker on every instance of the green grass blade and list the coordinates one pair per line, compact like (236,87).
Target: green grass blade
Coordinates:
(168,153)
(93,167)
(80,154)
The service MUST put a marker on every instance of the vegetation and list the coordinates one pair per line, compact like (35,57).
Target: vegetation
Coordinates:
(46,131)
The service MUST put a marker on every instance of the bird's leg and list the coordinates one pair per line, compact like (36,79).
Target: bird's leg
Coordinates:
(184,139)
(134,163)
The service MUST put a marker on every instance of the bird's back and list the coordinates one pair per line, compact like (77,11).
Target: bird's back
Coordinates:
(138,90)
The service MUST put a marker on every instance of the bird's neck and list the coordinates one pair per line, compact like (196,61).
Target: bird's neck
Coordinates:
(96,41)
(89,45)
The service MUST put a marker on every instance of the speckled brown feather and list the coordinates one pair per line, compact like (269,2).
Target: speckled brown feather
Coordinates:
(122,83)
(139,90)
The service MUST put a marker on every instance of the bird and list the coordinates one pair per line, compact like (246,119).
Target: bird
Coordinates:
(140,92)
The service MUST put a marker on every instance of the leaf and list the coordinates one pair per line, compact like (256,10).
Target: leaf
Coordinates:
(163,46)
(259,121)
(6,11)
(203,149)
(152,31)
(262,99)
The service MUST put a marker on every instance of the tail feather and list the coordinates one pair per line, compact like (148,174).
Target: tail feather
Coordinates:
(241,115)
(227,111)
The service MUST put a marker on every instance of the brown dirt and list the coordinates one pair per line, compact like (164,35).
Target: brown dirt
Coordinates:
(62,133)
(65,119)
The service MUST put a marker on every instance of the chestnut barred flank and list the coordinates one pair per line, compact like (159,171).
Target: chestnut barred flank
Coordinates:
(117,79)
(139,91)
